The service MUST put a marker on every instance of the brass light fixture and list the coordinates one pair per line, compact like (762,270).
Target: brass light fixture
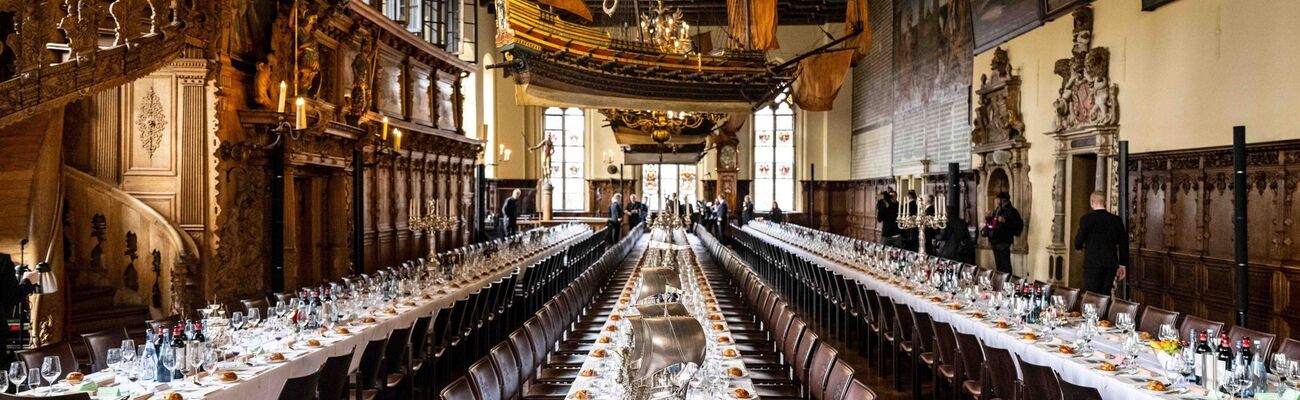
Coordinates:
(664,28)
(661,125)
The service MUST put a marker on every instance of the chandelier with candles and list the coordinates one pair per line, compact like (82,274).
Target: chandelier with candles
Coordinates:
(661,125)
(665,28)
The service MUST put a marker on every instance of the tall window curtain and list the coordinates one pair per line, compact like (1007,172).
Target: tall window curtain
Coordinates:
(661,180)
(566,130)
(774,137)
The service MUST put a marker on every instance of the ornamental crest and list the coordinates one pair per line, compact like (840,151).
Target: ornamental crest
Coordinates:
(150,122)
(1086,97)
(998,118)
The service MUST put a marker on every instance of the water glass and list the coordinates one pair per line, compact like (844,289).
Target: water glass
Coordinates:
(254,317)
(1089,311)
(1168,332)
(17,374)
(112,358)
(237,320)
(51,369)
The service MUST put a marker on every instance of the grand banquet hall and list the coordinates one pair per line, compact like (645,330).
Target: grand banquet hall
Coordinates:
(649,199)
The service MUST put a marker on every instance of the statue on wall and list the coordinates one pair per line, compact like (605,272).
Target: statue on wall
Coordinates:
(1086,97)
(358,99)
(547,146)
(997,117)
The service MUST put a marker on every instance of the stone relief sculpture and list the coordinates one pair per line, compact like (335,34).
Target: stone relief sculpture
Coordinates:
(1086,96)
(998,117)
(358,99)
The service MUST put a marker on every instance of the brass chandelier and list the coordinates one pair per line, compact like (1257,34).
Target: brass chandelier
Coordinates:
(661,125)
(665,28)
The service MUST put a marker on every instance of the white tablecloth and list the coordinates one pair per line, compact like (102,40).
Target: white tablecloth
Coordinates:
(266,382)
(1071,370)
(593,363)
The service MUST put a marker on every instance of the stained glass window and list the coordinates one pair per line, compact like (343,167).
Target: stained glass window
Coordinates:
(565,126)
(659,181)
(774,137)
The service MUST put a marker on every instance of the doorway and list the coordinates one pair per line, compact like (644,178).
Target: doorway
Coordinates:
(1081,182)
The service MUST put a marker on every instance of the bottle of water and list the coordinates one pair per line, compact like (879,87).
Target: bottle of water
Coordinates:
(1258,371)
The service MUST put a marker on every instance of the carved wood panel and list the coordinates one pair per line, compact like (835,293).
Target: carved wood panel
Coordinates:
(1182,233)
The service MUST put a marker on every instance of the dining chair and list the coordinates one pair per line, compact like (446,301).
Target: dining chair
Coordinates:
(1076,392)
(507,369)
(1121,306)
(1099,301)
(259,302)
(459,389)
(165,322)
(99,342)
(859,391)
(62,350)
(804,354)
(1000,370)
(300,388)
(1192,323)
(946,371)
(1000,280)
(924,357)
(369,368)
(333,383)
(904,344)
(1038,382)
(838,381)
(486,381)
(1291,348)
(1237,333)
(1153,317)
(819,371)
(972,360)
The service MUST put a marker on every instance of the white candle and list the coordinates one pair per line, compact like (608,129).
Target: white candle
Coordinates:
(397,139)
(384,135)
(283,88)
(300,109)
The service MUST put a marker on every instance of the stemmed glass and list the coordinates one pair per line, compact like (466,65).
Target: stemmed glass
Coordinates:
(50,371)
(4,381)
(254,317)
(17,374)
(1124,321)
(1131,346)
(1090,312)
(171,359)
(194,357)
(1167,332)
(113,358)
(1173,369)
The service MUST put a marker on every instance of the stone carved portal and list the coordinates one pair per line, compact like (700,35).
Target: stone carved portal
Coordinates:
(1087,133)
(998,138)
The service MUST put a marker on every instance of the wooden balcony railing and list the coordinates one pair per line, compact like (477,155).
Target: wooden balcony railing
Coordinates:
(57,51)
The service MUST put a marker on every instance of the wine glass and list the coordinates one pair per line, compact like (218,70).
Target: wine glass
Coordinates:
(254,317)
(1173,369)
(112,358)
(4,381)
(1089,311)
(1168,332)
(237,320)
(194,357)
(51,369)
(169,360)
(17,374)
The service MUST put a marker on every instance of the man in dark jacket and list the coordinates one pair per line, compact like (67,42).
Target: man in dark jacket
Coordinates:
(510,213)
(747,210)
(911,236)
(634,215)
(1002,228)
(1104,241)
(720,216)
(616,217)
(12,291)
(887,216)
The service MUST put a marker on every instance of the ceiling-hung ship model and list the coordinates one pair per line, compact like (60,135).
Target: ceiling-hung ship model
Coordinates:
(658,78)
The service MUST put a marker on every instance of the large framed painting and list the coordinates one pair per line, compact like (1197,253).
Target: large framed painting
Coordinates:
(1152,5)
(1056,8)
(996,21)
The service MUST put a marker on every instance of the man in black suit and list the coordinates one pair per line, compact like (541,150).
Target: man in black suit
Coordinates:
(12,291)
(911,236)
(747,210)
(887,215)
(1002,228)
(510,213)
(1104,241)
(616,217)
(634,215)
(720,215)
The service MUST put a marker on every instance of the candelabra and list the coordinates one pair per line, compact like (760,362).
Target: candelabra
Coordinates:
(922,221)
(432,219)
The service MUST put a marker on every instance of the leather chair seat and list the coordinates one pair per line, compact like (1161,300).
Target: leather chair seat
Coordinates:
(368,394)
(973,388)
(394,379)
(928,358)
(948,372)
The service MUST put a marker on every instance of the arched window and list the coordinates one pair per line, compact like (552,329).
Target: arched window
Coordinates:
(565,126)
(774,137)
(661,180)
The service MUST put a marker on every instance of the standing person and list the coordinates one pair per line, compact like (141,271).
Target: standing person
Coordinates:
(910,235)
(776,215)
(12,291)
(1104,241)
(931,234)
(747,211)
(720,214)
(634,215)
(510,212)
(616,217)
(1001,228)
(887,215)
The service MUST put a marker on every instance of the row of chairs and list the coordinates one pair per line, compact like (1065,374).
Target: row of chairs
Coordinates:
(799,353)
(933,347)
(509,369)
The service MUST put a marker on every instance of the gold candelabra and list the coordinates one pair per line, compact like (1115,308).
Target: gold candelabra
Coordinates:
(435,217)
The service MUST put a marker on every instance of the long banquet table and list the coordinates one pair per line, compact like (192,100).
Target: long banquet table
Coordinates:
(266,381)
(1078,371)
(592,363)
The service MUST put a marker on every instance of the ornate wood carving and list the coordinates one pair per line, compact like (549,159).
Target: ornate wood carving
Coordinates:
(151,122)
(1086,97)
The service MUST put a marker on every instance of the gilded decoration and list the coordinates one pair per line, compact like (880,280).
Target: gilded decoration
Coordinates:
(1086,96)
(81,24)
(358,99)
(151,122)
